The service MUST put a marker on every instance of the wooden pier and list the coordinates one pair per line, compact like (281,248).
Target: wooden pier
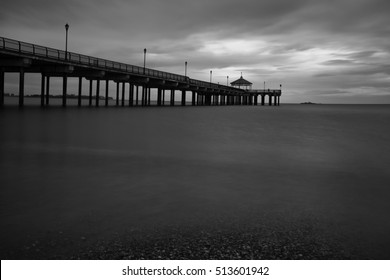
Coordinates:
(132,82)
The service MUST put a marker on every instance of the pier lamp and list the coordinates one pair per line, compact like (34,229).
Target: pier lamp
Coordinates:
(227,80)
(211,75)
(185,68)
(144,60)
(66,41)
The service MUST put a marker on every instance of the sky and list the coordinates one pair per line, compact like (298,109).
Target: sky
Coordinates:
(334,51)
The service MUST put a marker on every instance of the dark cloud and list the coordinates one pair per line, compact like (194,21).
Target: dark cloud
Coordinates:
(338,62)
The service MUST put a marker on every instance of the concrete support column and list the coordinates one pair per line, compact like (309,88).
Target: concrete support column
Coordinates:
(42,89)
(47,90)
(117,94)
(275,100)
(149,89)
(143,97)
(183,98)
(163,97)
(90,92)
(172,97)
(2,76)
(193,98)
(131,94)
(262,99)
(255,100)
(21,87)
(80,90)
(270,100)
(136,95)
(106,96)
(159,97)
(146,96)
(123,94)
(64,89)
(97,92)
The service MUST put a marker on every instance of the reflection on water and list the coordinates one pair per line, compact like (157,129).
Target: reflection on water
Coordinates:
(96,172)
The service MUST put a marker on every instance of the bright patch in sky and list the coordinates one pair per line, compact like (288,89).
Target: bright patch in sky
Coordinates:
(232,47)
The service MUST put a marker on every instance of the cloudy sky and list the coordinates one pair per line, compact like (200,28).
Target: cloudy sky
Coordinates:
(334,51)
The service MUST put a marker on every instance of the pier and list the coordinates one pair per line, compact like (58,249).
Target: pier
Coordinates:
(133,83)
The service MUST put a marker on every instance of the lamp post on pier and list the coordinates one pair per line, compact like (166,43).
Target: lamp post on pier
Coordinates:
(144,60)
(66,41)
(211,75)
(185,69)
(227,80)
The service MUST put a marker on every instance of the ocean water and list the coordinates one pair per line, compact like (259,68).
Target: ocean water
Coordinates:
(74,178)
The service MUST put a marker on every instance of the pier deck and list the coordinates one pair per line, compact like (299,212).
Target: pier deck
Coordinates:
(22,58)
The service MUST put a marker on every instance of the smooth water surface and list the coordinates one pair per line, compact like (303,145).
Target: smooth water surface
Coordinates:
(93,173)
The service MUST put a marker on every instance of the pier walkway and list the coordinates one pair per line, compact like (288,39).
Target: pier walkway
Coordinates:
(20,57)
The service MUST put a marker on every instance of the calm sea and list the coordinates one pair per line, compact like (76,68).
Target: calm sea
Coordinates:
(92,174)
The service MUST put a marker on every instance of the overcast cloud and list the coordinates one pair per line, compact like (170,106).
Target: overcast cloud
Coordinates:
(321,51)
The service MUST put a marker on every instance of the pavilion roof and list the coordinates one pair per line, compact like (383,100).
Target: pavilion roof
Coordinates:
(241,82)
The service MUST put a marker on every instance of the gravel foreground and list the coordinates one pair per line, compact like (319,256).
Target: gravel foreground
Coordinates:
(178,243)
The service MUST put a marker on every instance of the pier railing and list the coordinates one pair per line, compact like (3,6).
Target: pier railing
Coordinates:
(62,56)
